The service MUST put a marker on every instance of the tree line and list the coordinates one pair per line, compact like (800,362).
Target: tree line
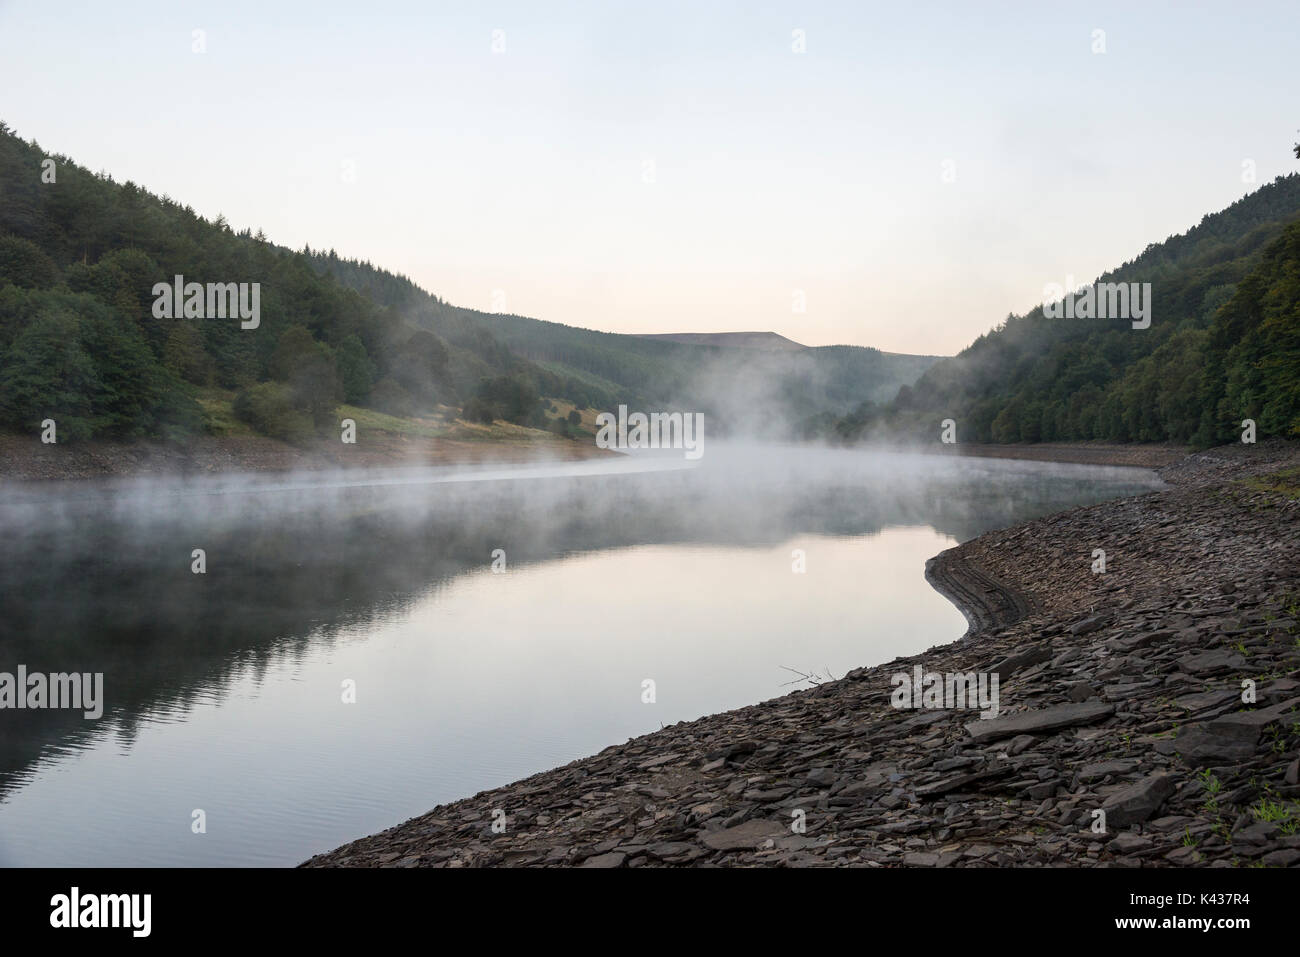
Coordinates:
(1223,346)
(80,255)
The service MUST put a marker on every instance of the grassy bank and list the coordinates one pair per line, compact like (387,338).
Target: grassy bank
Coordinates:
(382,441)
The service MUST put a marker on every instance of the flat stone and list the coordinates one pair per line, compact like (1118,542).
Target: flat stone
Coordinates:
(1129,843)
(746,837)
(920,859)
(1079,691)
(1087,625)
(1136,803)
(856,790)
(1040,721)
(658,762)
(1206,699)
(1092,772)
(1210,662)
(612,859)
(1283,858)
(669,849)
(960,781)
(821,778)
(1019,662)
(1134,642)
(1245,723)
(1279,689)
(1183,856)
(1227,739)
(767,796)
(732,750)
(1020,743)
(1039,792)
(1259,833)
(1201,745)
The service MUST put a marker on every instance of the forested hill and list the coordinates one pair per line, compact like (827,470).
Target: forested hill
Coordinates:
(1223,345)
(778,392)
(80,255)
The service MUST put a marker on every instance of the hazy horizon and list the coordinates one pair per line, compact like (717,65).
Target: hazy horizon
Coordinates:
(678,170)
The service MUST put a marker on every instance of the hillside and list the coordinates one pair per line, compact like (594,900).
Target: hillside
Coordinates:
(1223,345)
(768,341)
(779,392)
(80,343)
(82,340)
(759,392)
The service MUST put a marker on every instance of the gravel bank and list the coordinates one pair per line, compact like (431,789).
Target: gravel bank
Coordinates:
(1119,693)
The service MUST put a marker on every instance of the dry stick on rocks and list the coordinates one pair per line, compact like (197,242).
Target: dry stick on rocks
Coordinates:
(815,679)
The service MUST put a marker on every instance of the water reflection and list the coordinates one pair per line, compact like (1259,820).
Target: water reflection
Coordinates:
(223,689)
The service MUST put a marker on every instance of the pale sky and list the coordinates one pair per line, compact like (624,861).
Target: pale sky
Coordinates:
(678,167)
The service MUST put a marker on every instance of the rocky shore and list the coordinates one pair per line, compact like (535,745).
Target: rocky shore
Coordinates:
(1147,456)
(1121,738)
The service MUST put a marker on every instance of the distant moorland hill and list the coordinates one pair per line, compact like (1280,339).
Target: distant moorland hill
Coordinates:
(768,341)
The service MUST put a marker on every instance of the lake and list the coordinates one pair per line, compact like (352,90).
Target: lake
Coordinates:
(350,657)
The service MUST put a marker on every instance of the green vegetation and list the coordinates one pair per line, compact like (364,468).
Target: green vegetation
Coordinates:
(1284,482)
(1213,786)
(1223,346)
(79,342)
(1285,816)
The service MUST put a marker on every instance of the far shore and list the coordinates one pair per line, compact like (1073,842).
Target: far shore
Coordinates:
(1149,456)
(25,458)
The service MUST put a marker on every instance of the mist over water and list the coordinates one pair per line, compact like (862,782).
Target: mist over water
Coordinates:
(223,690)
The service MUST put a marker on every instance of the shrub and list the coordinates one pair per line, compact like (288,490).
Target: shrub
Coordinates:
(389,396)
(479,410)
(268,408)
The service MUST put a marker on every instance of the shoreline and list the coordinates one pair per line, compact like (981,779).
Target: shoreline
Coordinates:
(986,603)
(1149,456)
(24,459)
(1119,694)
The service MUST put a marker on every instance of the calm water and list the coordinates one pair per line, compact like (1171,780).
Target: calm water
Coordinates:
(224,690)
